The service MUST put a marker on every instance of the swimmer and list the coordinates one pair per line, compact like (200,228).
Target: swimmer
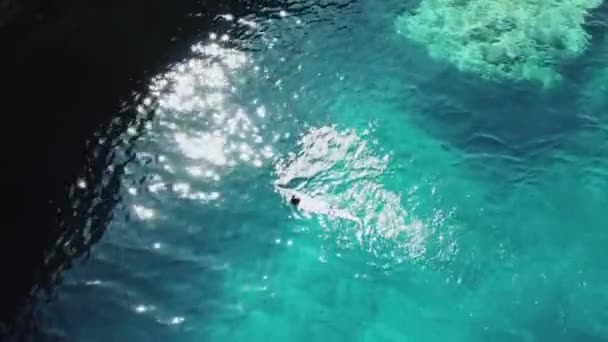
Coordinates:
(294,200)
(312,205)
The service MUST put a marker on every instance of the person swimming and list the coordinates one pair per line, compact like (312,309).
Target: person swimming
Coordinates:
(314,205)
(295,200)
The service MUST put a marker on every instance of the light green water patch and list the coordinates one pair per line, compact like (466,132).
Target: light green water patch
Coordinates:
(449,252)
(399,275)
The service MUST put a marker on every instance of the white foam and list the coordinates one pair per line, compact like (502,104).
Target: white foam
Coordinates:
(339,170)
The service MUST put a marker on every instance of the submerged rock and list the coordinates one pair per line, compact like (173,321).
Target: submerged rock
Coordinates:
(502,39)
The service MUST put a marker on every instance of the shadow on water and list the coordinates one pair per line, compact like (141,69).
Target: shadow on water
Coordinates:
(481,115)
(72,76)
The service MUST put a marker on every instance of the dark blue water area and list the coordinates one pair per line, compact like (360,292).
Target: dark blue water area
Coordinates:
(475,208)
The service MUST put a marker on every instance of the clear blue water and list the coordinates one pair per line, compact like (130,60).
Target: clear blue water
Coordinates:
(482,204)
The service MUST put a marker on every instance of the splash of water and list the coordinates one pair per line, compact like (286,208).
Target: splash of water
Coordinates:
(339,167)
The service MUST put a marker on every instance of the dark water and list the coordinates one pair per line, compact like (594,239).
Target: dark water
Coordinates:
(479,205)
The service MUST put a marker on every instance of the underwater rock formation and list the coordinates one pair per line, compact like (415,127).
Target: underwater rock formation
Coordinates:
(517,40)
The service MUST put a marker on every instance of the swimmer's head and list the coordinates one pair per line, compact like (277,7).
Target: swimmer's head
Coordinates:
(295,200)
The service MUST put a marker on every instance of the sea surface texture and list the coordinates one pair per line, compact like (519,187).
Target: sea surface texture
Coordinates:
(452,157)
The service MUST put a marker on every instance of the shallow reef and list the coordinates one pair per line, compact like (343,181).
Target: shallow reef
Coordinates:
(518,40)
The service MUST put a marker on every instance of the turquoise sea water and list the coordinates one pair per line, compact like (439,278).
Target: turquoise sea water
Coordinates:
(483,205)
